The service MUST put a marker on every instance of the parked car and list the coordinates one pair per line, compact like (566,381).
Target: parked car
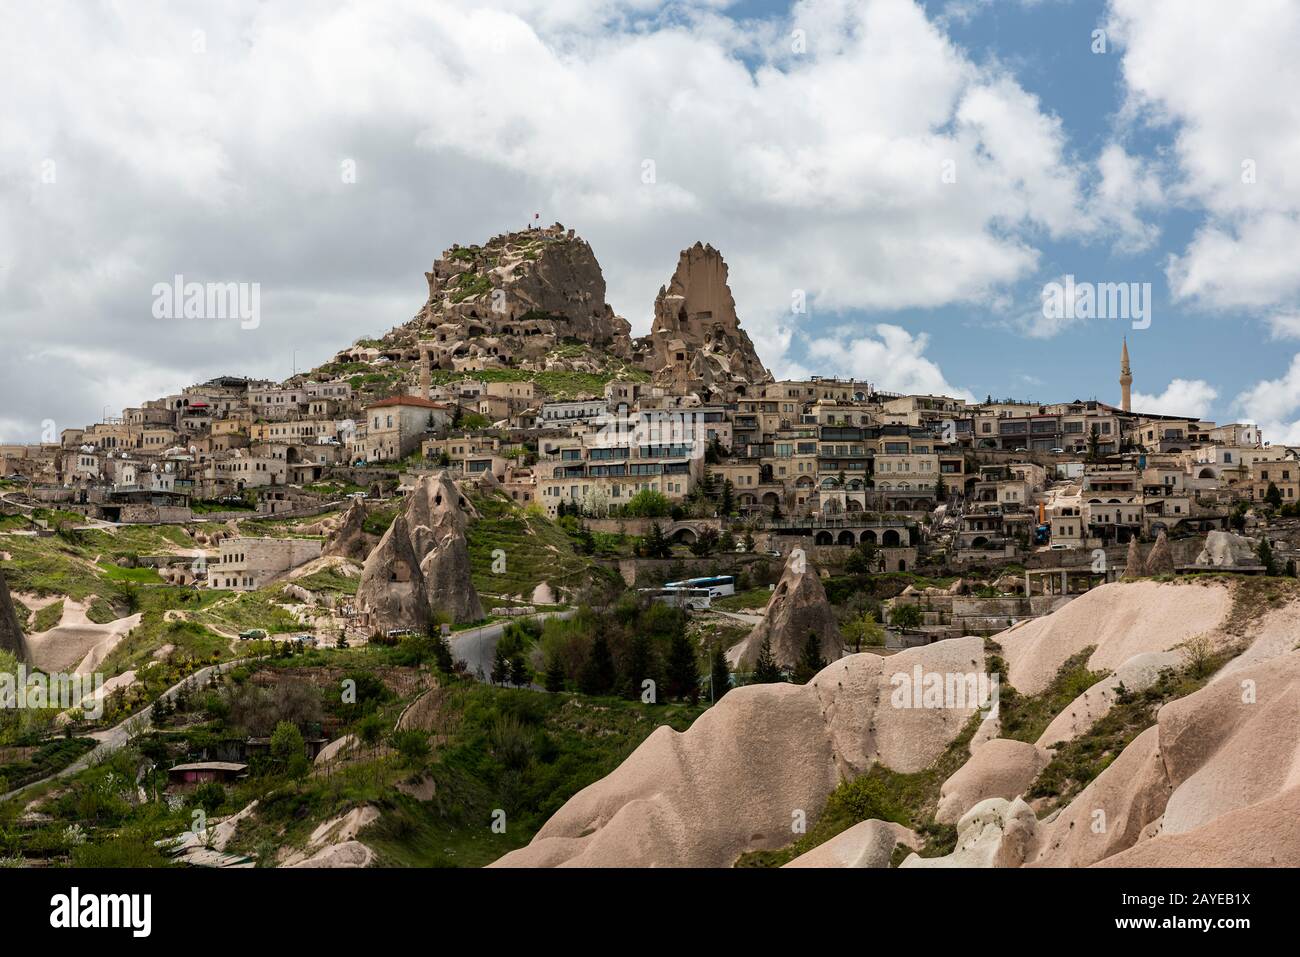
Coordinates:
(253,634)
(1058,451)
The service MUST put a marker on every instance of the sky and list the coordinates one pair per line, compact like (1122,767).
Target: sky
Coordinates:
(894,184)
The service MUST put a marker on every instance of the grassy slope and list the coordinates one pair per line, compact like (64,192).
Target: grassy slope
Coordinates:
(534,550)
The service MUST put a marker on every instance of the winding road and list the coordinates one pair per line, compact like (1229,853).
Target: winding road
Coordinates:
(477,647)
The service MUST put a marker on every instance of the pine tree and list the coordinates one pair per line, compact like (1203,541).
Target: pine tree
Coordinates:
(1274,495)
(597,674)
(719,674)
(683,676)
(766,670)
(811,661)
(500,668)
(519,675)
(1266,556)
(728,503)
(656,546)
(638,665)
(554,675)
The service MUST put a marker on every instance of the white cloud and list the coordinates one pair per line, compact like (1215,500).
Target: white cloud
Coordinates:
(1284,325)
(1189,397)
(1128,185)
(208,141)
(1274,404)
(893,360)
(1225,78)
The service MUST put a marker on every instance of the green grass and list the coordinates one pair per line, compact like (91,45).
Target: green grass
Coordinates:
(49,758)
(524,752)
(328,580)
(101,611)
(1026,717)
(48,617)
(744,600)
(882,794)
(532,548)
(1077,763)
(144,575)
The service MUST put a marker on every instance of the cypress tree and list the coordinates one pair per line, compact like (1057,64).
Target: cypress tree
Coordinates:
(719,674)
(519,675)
(500,668)
(597,674)
(766,671)
(554,675)
(638,666)
(811,661)
(683,677)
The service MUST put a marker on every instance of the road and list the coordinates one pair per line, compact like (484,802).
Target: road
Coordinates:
(113,738)
(477,647)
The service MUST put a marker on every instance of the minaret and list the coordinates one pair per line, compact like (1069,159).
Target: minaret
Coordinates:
(1125,379)
(424,371)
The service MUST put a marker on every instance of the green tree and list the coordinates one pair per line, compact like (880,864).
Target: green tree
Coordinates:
(442,656)
(810,662)
(766,670)
(647,503)
(719,673)
(1266,558)
(864,630)
(862,560)
(1094,444)
(639,665)
(500,667)
(655,545)
(1238,517)
(706,542)
(727,504)
(597,675)
(905,616)
(1274,495)
(554,675)
(683,674)
(519,671)
(288,750)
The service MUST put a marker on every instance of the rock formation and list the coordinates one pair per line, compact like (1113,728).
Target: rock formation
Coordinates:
(1134,566)
(1214,782)
(731,782)
(865,844)
(11,630)
(1000,768)
(514,299)
(797,606)
(1160,560)
(1227,550)
(420,568)
(696,343)
(350,538)
(994,833)
(1120,620)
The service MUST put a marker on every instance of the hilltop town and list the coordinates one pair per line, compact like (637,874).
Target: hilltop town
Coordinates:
(510,494)
(516,371)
